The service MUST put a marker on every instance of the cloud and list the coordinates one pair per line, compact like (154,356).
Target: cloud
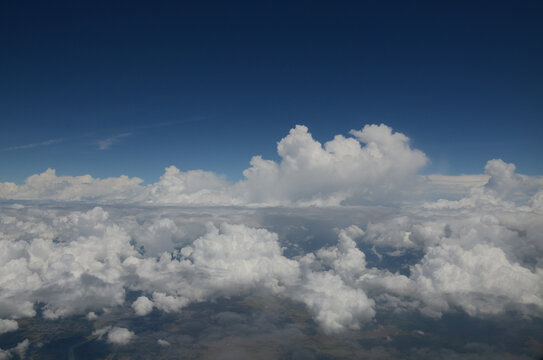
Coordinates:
(340,171)
(8,325)
(119,336)
(35,145)
(480,280)
(142,306)
(105,144)
(115,335)
(163,342)
(67,260)
(49,186)
(479,253)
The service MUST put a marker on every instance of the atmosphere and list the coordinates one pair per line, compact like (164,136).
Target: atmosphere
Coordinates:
(113,88)
(271,180)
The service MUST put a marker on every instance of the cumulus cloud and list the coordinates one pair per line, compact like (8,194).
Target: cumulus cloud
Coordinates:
(142,306)
(7,325)
(119,336)
(115,335)
(480,253)
(480,280)
(310,173)
(49,186)
(68,274)
(19,350)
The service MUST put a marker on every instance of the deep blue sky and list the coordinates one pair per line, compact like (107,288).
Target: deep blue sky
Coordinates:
(201,85)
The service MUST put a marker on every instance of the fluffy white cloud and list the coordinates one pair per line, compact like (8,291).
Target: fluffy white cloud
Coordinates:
(191,187)
(19,350)
(480,280)
(330,284)
(119,336)
(7,325)
(68,274)
(342,169)
(142,306)
(481,254)
(49,186)
(336,306)
(115,335)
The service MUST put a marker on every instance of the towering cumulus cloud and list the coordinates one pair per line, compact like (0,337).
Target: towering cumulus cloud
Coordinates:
(341,169)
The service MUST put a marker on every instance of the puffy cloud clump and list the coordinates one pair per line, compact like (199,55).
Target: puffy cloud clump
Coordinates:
(482,254)
(328,285)
(86,262)
(480,280)
(115,335)
(310,173)
(18,350)
(49,186)
(120,336)
(190,187)
(7,325)
(69,275)
(142,306)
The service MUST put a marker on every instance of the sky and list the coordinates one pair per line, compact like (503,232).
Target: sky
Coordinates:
(306,181)
(130,88)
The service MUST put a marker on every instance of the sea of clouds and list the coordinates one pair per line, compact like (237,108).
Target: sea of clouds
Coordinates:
(301,228)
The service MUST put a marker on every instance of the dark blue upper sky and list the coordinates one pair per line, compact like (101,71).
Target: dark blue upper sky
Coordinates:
(207,85)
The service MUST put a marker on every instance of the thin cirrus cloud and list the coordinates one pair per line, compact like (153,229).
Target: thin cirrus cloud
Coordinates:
(35,145)
(106,143)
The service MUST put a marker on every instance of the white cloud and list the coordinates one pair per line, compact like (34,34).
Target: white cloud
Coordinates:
(163,342)
(48,186)
(335,305)
(481,254)
(480,280)
(68,274)
(119,336)
(106,143)
(7,325)
(342,169)
(35,145)
(191,187)
(19,350)
(142,306)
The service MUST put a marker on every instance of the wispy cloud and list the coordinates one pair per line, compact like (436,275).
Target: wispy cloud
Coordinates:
(106,143)
(34,145)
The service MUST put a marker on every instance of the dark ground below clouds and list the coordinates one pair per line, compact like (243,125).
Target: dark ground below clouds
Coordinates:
(266,327)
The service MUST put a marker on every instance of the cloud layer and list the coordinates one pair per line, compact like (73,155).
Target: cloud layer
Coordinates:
(479,252)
